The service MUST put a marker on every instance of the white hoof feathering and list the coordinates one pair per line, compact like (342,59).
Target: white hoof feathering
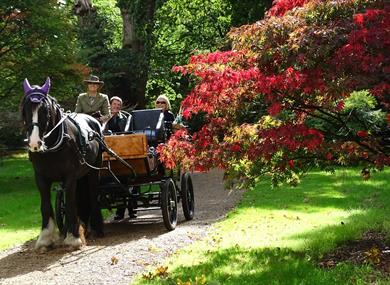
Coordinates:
(49,236)
(73,241)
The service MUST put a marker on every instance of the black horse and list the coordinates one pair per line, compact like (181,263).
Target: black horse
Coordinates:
(63,148)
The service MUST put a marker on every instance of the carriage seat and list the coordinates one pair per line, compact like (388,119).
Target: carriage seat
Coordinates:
(149,122)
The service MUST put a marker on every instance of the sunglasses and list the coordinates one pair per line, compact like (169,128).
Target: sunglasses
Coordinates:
(160,102)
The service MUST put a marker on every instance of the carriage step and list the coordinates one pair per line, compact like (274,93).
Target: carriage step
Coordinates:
(148,209)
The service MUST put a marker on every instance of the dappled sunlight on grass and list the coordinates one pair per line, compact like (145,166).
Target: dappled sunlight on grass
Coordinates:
(278,228)
(276,236)
(237,265)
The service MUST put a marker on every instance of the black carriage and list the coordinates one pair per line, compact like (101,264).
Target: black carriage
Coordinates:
(132,176)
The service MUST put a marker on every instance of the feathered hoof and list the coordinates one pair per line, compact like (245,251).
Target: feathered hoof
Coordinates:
(43,246)
(73,242)
(41,249)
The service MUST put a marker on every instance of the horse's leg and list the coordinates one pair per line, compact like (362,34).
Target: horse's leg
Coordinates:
(96,218)
(72,238)
(83,207)
(82,198)
(49,233)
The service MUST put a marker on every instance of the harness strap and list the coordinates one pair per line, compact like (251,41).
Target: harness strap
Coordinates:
(81,140)
(52,130)
(60,138)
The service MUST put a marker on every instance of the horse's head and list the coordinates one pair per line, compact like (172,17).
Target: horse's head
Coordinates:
(35,113)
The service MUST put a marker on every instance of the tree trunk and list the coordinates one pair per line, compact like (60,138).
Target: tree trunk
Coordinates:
(132,41)
(129,40)
(82,7)
(135,15)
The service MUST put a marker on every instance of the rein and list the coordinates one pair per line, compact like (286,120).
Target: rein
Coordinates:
(56,126)
(62,134)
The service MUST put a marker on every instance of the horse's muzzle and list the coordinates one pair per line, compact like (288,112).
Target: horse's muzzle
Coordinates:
(38,146)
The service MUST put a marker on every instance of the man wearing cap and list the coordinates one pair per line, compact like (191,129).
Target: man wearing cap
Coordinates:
(93,102)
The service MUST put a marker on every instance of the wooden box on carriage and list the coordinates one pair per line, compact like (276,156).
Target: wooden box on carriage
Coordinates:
(130,147)
(127,146)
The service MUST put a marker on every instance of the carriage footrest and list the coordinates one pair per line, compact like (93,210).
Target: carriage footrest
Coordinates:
(148,209)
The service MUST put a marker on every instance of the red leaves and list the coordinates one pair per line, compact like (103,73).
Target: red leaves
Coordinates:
(340,106)
(358,19)
(362,134)
(275,109)
(367,46)
(235,147)
(329,156)
(291,138)
(280,7)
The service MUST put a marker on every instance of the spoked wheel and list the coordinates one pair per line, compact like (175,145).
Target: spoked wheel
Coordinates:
(169,204)
(60,210)
(187,196)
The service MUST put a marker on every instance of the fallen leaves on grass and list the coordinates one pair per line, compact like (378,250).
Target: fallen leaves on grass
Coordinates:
(373,255)
(371,249)
(161,271)
(198,281)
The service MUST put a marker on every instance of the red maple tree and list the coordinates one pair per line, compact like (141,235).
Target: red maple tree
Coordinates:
(307,86)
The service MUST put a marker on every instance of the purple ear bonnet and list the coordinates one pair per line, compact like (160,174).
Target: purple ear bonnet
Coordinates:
(36,93)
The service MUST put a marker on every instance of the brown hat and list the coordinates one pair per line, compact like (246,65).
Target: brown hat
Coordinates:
(93,79)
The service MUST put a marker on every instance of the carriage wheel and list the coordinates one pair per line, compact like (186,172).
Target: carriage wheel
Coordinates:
(60,210)
(187,196)
(169,204)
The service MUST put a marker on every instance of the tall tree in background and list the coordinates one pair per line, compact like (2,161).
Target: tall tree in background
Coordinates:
(157,34)
(185,27)
(124,67)
(36,41)
(138,21)
(182,28)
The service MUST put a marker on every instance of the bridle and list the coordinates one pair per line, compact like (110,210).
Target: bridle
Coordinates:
(38,97)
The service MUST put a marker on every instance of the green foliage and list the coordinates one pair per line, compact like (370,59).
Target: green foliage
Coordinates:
(11,134)
(358,114)
(141,11)
(37,41)
(121,69)
(248,11)
(361,100)
(99,33)
(323,13)
(182,28)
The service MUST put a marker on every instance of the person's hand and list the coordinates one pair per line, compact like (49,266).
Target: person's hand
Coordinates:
(96,115)
(176,126)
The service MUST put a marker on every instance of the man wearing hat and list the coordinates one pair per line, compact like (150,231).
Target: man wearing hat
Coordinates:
(92,102)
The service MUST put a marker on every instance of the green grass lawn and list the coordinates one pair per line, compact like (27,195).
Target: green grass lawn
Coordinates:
(20,217)
(277,236)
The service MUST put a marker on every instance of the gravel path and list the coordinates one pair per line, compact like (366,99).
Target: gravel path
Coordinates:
(131,245)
